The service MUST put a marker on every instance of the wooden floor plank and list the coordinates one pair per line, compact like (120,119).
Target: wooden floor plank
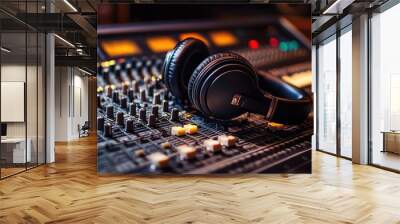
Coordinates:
(70,191)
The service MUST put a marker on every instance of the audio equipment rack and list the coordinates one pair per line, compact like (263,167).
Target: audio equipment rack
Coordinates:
(136,113)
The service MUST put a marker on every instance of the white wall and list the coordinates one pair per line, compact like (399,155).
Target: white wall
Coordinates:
(15,72)
(71,102)
(33,127)
(61,103)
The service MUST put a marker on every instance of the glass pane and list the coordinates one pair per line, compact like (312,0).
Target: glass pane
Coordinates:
(31,85)
(327,96)
(32,96)
(345,94)
(41,98)
(385,84)
(13,86)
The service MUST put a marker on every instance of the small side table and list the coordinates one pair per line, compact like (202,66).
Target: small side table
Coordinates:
(391,141)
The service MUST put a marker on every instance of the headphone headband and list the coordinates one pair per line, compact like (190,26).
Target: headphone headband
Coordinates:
(225,85)
(283,103)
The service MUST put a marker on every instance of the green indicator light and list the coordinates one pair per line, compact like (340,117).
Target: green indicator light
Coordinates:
(293,45)
(284,46)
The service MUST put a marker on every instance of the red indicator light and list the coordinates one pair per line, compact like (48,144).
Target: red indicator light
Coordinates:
(253,44)
(273,42)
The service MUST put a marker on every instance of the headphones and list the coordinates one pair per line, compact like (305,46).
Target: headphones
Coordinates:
(225,85)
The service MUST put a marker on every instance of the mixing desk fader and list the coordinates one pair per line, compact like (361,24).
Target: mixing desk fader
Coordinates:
(143,130)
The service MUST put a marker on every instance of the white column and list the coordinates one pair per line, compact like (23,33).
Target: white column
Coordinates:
(50,92)
(360,90)
(50,98)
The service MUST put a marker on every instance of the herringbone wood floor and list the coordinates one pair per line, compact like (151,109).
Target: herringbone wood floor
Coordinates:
(70,191)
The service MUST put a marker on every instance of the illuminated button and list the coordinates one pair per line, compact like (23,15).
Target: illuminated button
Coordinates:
(100,89)
(111,62)
(227,140)
(253,44)
(186,152)
(106,64)
(161,44)
(190,129)
(140,153)
(165,145)
(158,159)
(273,42)
(177,131)
(284,46)
(293,45)
(223,38)
(120,48)
(212,145)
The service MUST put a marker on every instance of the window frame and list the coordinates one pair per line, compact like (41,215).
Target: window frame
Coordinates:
(333,37)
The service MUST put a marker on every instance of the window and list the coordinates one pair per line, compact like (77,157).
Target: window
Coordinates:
(346,92)
(22,95)
(385,89)
(327,96)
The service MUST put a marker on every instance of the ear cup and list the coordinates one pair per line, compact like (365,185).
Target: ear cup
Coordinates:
(196,73)
(179,64)
(217,79)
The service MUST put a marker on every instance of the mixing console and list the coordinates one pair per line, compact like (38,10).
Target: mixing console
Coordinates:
(142,129)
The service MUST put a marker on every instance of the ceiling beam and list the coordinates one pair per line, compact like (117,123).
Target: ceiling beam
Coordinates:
(86,27)
(337,7)
(77,61)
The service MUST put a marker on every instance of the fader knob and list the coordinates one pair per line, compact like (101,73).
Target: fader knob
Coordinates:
(111,68)
(135,86)
(166,96)
(125,88)
(108,130)
(98,101)
(109,91)
(131,95)
(142,114)
(148,63)
(120,118)
(117,70)
(100,123)
(175,114)
(152,120)
(154,110)
(110,112)
(150,90)
(147,78)
(132,109)
(115,97)
(124,103)
(165,106)
(142,95)
(139,64)
(129,126)
(156,98)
